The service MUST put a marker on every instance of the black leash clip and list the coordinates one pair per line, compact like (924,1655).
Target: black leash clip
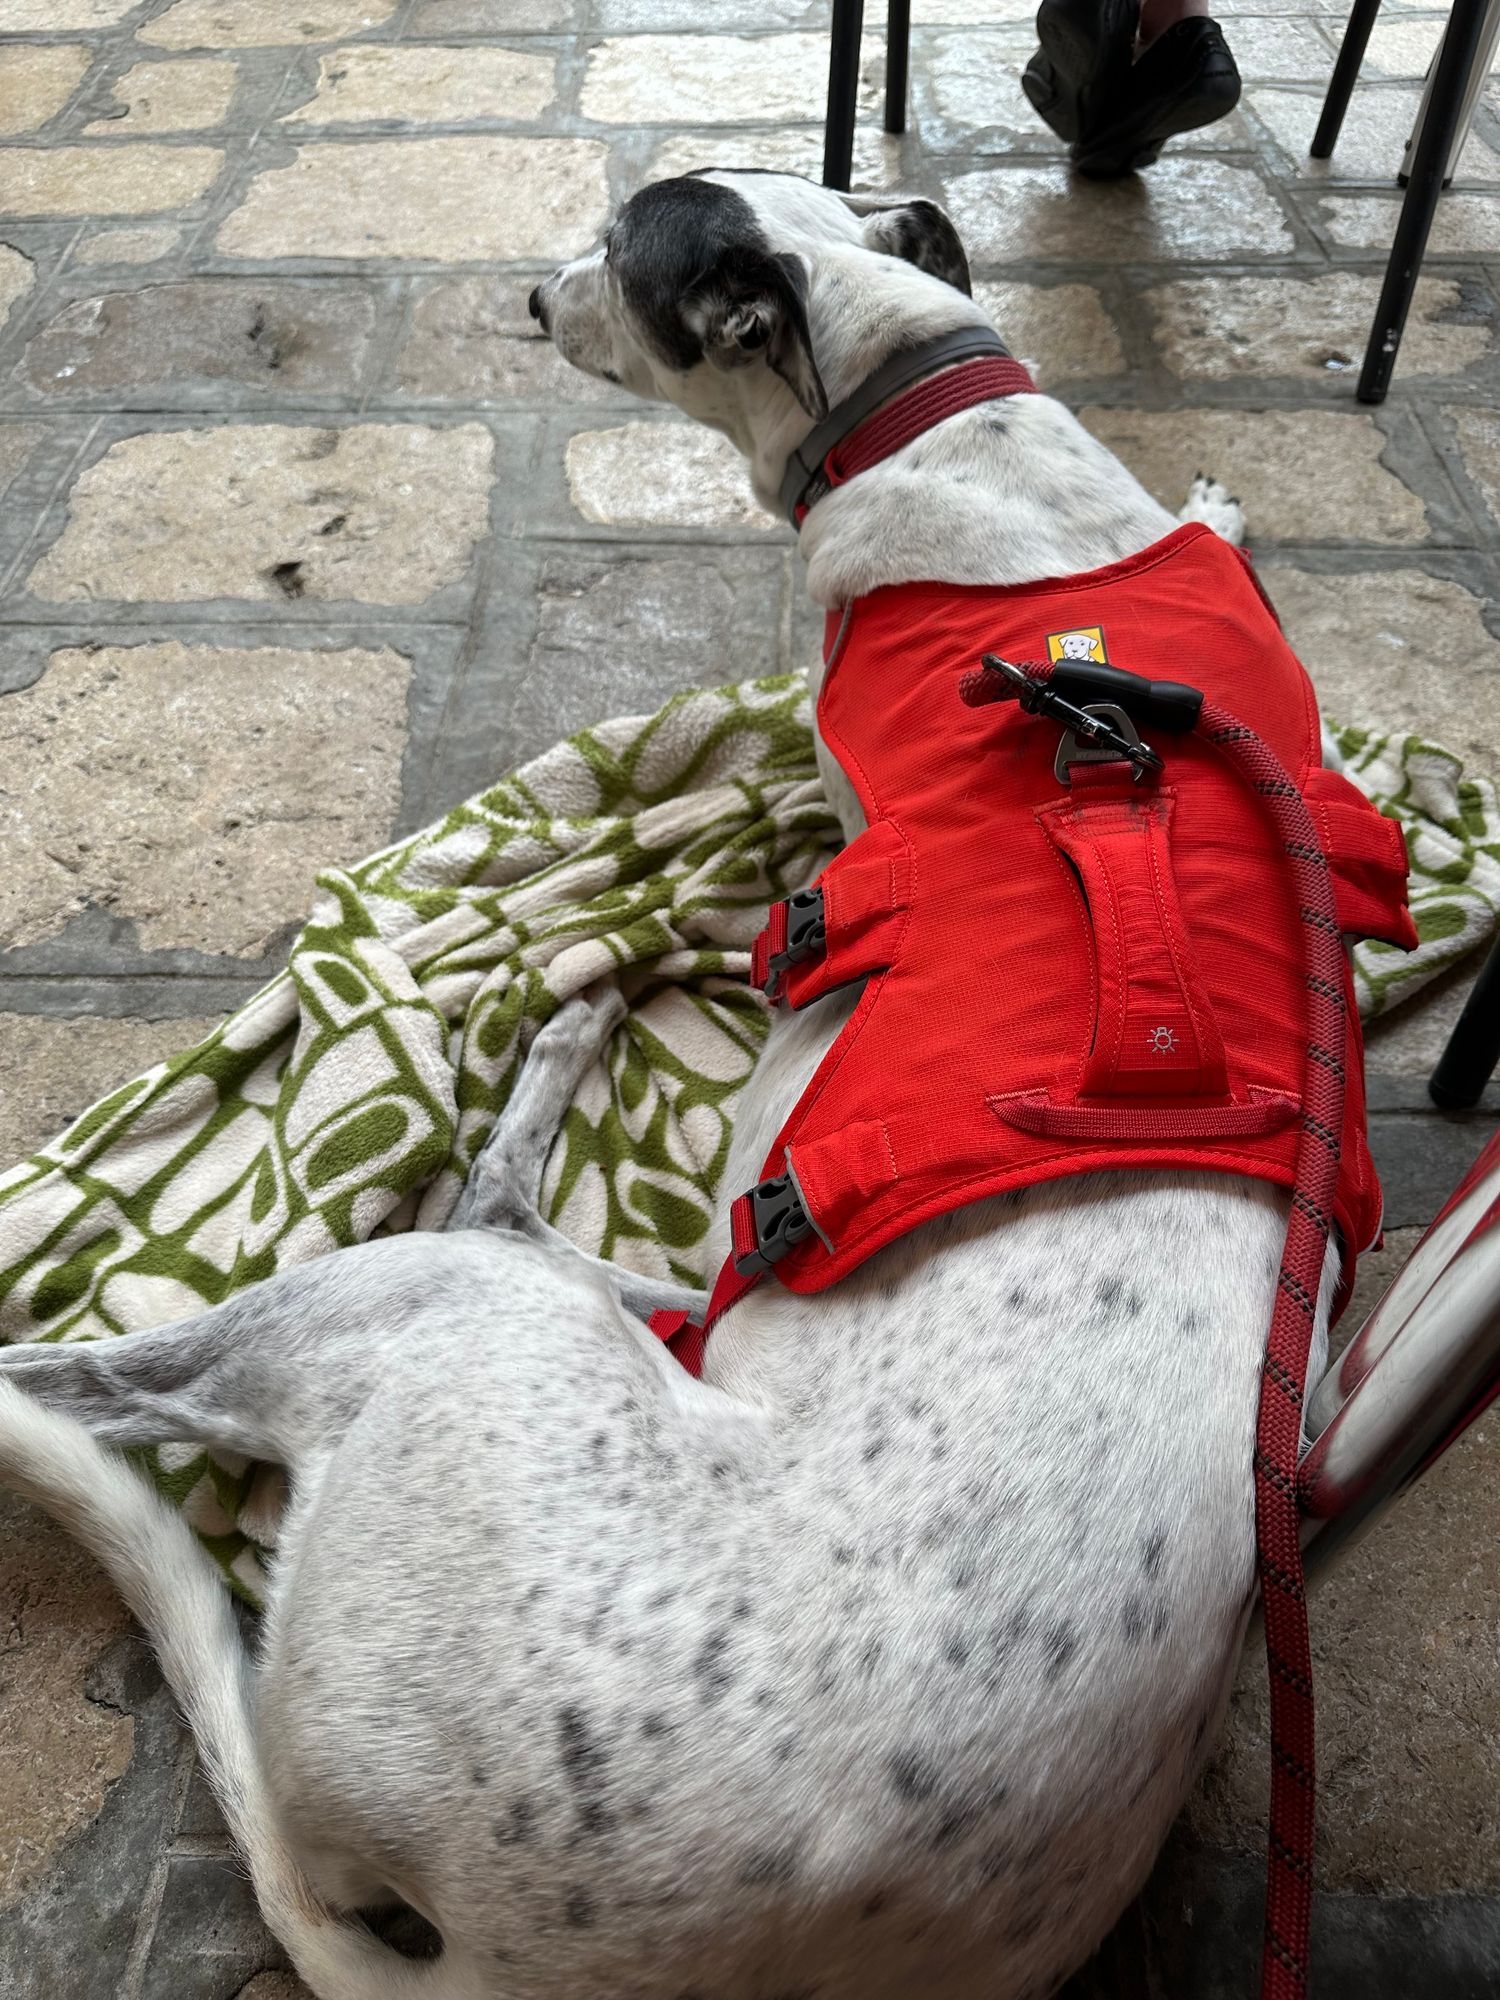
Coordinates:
(1100,733)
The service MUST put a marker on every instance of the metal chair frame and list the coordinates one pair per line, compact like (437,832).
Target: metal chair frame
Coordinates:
(843,82)
(1453,86)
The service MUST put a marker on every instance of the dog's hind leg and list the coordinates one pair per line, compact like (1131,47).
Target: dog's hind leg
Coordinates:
(280,1369)
(504,1187)
(270,1373)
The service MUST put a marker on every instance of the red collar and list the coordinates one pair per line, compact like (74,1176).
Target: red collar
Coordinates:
(911,393)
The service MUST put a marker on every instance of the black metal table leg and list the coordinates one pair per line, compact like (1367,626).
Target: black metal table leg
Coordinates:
(1473,1050)
(1450,79)
(897,54)
(843,93)
(1345,75)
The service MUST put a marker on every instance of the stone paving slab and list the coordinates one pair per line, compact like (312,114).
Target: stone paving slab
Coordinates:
(399,86)
(17,276)
(469,340)
(1198,1927)
(318,520)
(55,1069)
(1371,634)
(188,96)
(312,343)
(1313,329)
(567,634)
(1193,210)
(145,245)
(223,24)
(35,83)
(209,1939)
(193,790)
(94,1767)
(303,536)
(1467,224)
(79,180)
(363,200)
(1303,476)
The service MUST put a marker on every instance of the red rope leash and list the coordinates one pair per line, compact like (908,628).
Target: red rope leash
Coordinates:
(1289,1865)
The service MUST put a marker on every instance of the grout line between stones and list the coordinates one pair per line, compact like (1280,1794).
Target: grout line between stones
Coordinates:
(156,1886)
(62,483)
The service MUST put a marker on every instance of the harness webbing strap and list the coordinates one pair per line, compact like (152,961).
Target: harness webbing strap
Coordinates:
(1034,1111)
(679,1331)
(769,944)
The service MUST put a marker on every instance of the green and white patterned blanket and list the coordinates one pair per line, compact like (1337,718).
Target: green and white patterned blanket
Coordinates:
(350,1095)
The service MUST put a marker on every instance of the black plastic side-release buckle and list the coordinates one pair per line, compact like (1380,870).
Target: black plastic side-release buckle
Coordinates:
(765,1223)
(796,931)
(806,935)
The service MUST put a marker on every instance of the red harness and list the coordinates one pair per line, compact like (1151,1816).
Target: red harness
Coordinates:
(1089,967)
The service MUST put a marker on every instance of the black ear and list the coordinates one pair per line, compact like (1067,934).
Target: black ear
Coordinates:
(753,305)
(918,231)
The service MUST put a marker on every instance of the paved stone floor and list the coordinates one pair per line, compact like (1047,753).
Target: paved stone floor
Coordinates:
(302,538)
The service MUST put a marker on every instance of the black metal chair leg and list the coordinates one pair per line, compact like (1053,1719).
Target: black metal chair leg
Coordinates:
(897,61)
(843,93)
(1473,1050)
(1345,75)
(1450,81)
(1478,78)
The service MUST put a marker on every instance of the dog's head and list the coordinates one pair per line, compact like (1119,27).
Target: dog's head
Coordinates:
(748,299)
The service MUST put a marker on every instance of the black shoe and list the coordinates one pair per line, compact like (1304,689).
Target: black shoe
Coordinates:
(1185,79)
(1083,63)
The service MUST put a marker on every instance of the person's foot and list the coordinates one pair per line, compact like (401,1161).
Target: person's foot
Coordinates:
(1083,63)
(1185,79)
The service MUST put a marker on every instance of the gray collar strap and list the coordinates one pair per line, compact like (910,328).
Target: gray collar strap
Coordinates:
(804,480)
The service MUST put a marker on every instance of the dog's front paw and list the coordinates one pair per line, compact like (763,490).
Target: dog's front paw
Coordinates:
(1210,501)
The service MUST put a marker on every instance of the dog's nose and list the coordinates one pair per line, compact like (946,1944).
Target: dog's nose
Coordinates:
(537,309)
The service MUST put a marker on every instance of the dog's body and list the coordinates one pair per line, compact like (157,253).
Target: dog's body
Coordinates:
(879,1662)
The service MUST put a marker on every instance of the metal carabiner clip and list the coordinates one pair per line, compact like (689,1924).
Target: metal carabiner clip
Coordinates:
(1103,734)
(1100,733)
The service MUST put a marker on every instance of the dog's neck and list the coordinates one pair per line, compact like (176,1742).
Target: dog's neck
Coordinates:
(1005,493)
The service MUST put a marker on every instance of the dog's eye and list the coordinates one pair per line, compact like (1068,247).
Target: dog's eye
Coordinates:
(610,376)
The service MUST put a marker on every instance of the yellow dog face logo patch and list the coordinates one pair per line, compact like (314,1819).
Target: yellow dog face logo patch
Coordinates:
(1086,642)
